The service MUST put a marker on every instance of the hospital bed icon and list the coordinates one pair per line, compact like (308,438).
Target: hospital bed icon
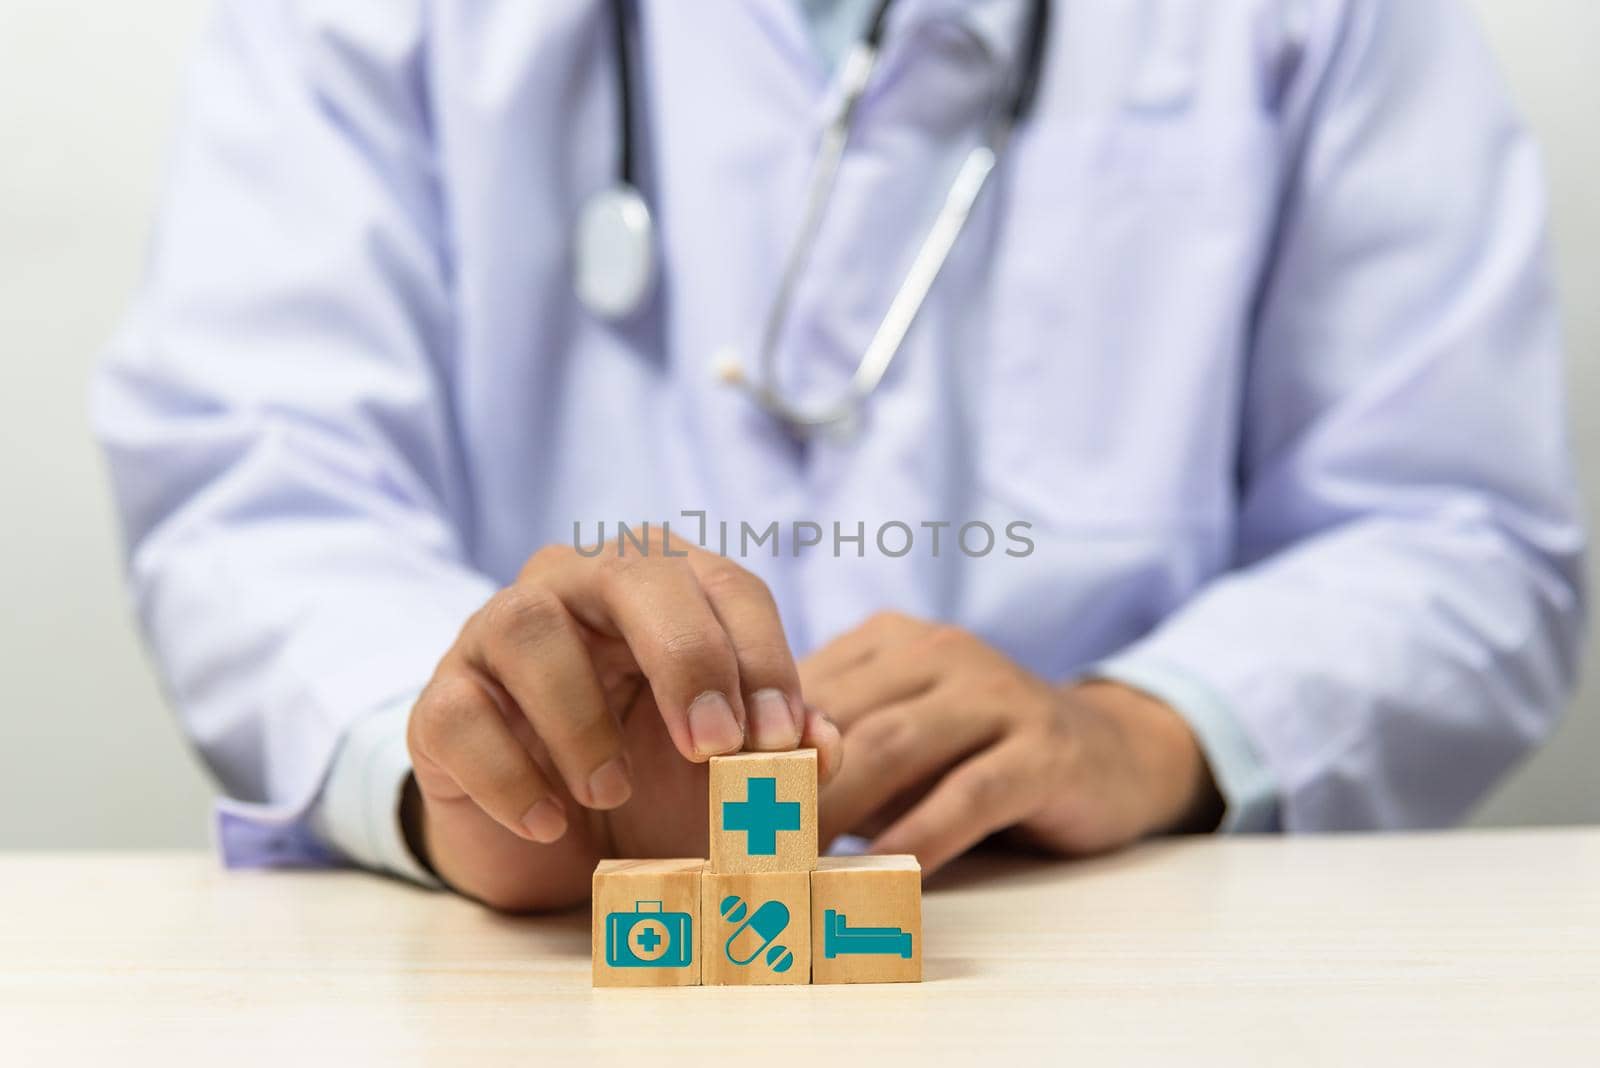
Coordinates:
(840,939)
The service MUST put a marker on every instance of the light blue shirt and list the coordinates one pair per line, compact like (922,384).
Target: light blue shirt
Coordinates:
(835,25)
(1252,329)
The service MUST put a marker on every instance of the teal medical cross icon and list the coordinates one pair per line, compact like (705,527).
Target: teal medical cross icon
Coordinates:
(761,816)
(649,939)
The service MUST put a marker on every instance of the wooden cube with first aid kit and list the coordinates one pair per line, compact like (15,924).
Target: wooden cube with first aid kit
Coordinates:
(765,910)
(646,925)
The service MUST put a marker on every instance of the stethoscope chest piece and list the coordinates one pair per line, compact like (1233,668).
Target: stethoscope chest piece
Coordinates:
(614,266)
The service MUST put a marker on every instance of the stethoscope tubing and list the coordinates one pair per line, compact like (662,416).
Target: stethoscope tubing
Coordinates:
(926,266)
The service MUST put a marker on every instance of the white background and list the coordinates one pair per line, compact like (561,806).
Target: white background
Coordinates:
(89,754)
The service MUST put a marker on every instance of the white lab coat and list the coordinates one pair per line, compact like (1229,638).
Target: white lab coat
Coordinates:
(1253,328)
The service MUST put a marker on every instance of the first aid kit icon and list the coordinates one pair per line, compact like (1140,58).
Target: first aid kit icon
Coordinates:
(647,937)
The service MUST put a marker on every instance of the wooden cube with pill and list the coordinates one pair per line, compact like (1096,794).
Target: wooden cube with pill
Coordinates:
(866,920)
(756,928)
(647,922)
(764,812)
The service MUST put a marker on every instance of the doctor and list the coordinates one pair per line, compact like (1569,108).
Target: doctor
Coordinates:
(1229,321)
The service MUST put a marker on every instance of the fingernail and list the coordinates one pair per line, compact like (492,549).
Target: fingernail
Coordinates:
(712,727)
(830,729)
(829,742)
(772,721)
(609,786)
(545,821)
(826,719)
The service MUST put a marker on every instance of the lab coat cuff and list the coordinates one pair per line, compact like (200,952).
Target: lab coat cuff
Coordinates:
(357,814)
(252,835)
(1243,778)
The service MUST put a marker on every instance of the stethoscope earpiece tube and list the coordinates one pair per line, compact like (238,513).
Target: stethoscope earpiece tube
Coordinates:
(622,44)
(875,25)
(1033,62)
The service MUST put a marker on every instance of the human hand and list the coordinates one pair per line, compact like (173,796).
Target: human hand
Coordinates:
(948,741)
(575,711)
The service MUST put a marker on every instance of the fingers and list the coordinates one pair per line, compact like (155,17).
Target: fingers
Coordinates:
(460,745)
(833,659)
(998,788)
(823,736)
(890,658)
(857,646)
(657,607)
(705,634)
(892,676)
(527,641)
(897,748)
(769,682)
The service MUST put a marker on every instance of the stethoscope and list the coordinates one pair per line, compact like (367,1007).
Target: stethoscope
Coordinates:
(615,263)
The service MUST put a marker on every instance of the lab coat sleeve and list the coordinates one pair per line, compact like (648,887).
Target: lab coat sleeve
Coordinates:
(274,410)
(1407,610)
(358,811)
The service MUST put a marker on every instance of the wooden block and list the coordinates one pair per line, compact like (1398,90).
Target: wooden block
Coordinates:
(757,928)
(647,922)
(764,812)
(866,920)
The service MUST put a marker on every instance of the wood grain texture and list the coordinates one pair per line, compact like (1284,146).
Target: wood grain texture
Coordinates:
(753,890)
(796,782)
(866,892)
(638,930)
(1473,947)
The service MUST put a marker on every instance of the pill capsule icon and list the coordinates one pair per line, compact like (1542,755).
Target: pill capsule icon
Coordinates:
(756,933)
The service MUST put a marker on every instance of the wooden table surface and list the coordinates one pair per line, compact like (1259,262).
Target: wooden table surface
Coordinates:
(1418,949)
